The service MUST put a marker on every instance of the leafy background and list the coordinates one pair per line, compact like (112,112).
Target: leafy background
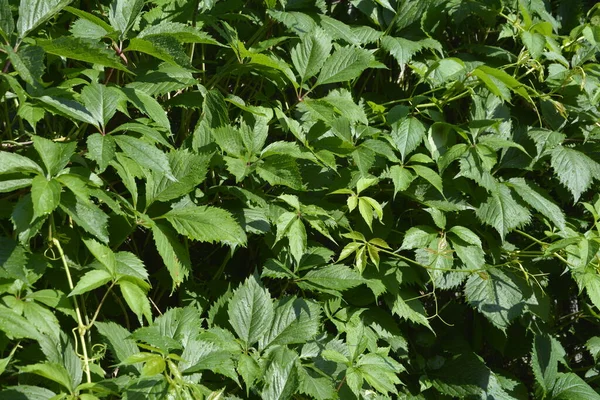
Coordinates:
(299,199)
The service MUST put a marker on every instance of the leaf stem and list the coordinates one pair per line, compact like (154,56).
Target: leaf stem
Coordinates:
(81,328)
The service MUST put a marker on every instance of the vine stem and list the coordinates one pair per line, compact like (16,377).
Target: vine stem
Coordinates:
(81,328)
(100,305)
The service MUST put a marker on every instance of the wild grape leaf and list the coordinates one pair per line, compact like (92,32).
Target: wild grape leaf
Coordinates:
(498,294)
(206,224)
(250,311)
(574,169)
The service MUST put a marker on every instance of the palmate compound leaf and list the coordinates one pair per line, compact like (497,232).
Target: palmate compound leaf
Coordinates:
(55,156)
(101,101)
(206,224)
(250,311)
(575,170)
(294,321)
(499,295)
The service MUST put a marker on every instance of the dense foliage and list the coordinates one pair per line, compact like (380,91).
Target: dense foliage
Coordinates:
(299,199)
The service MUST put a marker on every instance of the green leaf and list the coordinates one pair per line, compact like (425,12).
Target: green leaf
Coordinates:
(545,355)
(206,224)
(13,162)
(123,13)
(535,43)
(103,254)
(345,64)
(502,212)
(430,176)
(403,49)
(294,321)
(55,155)
(575,170)
(183,33)
(296,235)
(54,372)
(82,50)
(118,339)
(15,326)
(280,170)
(145,155)
(86,215)
(411,309)
(90,281)
(33,13)
(539,200)
(163,47)
(569,386)
(310,54)
(250,311)
(136,299)
(334,277)
(45,195)
(101,149)
(381,372)
(498,294)
(281,376)
(189,170)
(148,105)
(7,23)
(68,108)
(174,254)
(101,101)
(315,385)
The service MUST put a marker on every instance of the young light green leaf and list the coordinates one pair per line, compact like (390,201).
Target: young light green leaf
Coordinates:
(250,311)
(345,64)
(45,195)
(206,224)
(33,13)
